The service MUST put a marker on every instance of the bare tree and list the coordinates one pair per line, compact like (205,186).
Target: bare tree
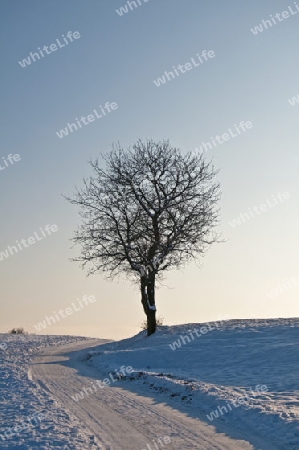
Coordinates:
(150,209)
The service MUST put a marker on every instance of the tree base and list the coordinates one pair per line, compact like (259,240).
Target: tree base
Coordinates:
(151,323)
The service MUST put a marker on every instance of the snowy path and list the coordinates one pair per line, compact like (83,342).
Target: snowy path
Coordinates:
(120,419)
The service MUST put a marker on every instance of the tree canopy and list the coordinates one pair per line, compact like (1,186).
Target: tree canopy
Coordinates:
(149,209)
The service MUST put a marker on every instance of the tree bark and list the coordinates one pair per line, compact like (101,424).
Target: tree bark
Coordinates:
(148,302)
(151,322)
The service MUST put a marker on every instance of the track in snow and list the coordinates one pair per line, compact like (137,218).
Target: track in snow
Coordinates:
(120,419)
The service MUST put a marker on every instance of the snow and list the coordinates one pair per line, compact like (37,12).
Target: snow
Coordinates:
(22,398)
(227,385)
(151,307)
(231,362)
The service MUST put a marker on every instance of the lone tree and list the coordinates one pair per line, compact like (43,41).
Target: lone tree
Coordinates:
(150,209)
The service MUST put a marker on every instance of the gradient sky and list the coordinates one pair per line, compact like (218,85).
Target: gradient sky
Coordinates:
(116,59)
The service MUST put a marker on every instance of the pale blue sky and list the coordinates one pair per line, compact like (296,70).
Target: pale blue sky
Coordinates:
(116,59)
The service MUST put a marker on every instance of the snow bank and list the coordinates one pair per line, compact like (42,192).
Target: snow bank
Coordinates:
(30,417)
(243,373)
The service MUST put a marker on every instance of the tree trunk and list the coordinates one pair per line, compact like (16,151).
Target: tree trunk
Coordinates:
(148,301)
(151,322)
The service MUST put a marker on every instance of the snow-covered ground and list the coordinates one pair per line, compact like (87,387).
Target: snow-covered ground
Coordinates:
(42,422)
(230,385)
(242,374)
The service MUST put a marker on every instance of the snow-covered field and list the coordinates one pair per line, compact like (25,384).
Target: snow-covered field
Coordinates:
(42,422)
(244,374)
(240,377)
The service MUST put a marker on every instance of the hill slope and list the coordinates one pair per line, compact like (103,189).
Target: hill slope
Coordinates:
(224,386)
(239,373)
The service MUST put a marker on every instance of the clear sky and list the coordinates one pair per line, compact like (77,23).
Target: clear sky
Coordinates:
(115,59)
